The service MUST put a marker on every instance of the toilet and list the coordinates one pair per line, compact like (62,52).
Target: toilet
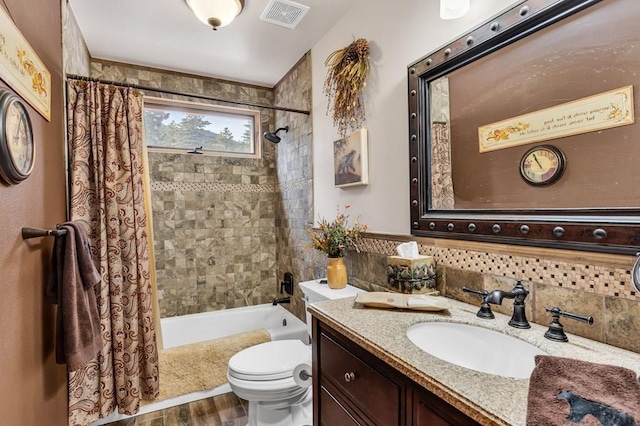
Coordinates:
(263,374)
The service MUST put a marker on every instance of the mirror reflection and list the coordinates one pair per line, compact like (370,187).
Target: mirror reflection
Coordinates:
(524,130)
(545,89)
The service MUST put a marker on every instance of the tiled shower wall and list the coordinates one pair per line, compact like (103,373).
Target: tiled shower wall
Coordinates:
(213,217)
(76,58)
(294,177)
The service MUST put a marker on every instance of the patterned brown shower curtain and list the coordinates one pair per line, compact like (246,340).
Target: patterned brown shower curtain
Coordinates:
(105,134)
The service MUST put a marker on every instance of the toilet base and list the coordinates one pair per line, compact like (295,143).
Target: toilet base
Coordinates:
(265,414)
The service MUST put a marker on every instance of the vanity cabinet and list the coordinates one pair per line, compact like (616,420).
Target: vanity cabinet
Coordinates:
(353,387)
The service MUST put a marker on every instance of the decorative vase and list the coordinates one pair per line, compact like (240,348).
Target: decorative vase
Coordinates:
(336,273)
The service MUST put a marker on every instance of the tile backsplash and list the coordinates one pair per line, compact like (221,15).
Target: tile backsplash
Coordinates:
(603,292)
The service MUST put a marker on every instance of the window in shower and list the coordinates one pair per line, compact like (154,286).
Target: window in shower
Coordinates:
(189,127)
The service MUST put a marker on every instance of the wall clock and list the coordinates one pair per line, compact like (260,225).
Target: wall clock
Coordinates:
(542,165)
(17,150)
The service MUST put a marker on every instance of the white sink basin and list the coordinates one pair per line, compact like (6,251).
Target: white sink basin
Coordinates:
(476,348)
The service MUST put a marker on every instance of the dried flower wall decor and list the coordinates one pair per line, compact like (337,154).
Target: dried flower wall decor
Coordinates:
(348,70)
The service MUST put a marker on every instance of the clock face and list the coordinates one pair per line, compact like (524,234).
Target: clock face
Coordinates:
(19,137)
(542,165)
(17,150)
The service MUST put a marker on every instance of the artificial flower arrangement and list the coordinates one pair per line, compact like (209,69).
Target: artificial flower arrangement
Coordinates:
(333,238)
(348,70)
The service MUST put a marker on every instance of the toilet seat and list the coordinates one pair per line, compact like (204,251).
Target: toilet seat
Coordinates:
(284,392)
(270,361)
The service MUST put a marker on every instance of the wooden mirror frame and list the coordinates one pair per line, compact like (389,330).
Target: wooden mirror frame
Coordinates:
(588,229)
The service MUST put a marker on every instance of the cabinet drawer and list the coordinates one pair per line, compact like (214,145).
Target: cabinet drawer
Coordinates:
(368,390)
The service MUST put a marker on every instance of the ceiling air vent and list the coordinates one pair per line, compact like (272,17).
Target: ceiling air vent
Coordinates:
(284,13)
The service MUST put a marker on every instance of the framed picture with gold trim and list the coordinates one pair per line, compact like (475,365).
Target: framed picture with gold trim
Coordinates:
(17,148)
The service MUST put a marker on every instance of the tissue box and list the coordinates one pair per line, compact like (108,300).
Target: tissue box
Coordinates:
(411,275)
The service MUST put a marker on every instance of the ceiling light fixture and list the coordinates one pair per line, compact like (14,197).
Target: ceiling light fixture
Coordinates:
(216,13)
(453,9)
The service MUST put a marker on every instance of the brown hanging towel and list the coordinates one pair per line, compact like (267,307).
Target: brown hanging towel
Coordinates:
(73,276)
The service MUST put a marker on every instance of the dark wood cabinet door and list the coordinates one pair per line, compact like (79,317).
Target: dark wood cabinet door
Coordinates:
(365,387)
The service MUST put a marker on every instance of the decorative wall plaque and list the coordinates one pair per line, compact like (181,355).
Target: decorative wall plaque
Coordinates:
(21,68)
(602,111)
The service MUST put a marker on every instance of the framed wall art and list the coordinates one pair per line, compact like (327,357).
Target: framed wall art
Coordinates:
(350,165)
(22,69)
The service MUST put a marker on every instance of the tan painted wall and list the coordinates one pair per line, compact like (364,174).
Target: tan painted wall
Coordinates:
(33,387)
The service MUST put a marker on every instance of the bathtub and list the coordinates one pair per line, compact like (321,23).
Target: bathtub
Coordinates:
(182,330)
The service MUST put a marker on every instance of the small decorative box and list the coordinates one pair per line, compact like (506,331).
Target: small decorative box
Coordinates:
(411,275)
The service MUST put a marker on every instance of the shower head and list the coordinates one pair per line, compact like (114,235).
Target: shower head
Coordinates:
(273,137)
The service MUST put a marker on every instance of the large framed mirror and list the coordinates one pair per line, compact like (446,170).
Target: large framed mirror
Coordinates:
(523,131)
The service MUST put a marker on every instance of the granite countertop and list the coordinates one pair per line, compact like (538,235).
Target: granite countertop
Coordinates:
(490,399)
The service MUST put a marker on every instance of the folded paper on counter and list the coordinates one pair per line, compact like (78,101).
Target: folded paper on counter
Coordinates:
(403,301)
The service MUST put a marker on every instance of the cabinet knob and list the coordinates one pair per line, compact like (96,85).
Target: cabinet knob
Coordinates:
(349,376)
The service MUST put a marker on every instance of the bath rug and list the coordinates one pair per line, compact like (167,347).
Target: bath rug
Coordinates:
(569,392)
(203,365)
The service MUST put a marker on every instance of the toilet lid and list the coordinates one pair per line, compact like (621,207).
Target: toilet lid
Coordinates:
(269,361)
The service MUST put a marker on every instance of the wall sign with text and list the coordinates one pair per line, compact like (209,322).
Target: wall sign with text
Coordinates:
(21,68)
(602,111)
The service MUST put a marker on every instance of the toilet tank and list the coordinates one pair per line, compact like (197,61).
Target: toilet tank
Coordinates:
(316,292)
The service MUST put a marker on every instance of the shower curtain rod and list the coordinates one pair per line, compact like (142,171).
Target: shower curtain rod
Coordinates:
(192,95)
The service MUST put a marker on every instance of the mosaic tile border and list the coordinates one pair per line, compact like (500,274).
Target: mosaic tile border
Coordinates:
(301,183)
(606,281)
(214,187)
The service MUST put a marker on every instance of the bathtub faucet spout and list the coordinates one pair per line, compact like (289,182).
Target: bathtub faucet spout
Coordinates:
(281,300)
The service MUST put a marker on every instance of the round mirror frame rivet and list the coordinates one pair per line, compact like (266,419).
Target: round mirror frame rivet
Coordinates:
(524,10)
(495,26)
(415,225)
(470,40)
(414,115)
(429,61)
(496,228)
(414,159)
(450,226)
(413,93)
(599,234)
(447,52)
(414,203)
(412,70)
(558,231)
(525,229)
(471,227)
(414,181)
(432,225)
(414,137)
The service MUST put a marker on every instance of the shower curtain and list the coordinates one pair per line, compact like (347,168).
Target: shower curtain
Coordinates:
(105,137)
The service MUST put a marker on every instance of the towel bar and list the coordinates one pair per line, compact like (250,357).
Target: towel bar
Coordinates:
(28,233)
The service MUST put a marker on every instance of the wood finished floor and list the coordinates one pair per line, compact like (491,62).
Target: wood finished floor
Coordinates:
(222,410)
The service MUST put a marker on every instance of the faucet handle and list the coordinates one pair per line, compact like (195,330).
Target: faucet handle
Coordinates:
(478,292)
(555,331)
(485,308)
